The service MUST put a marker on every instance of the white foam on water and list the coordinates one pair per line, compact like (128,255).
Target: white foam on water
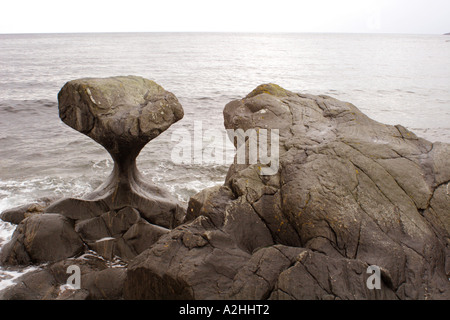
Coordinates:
(17,192)
(14,193)
(8,277)
(10,201)
(6,231)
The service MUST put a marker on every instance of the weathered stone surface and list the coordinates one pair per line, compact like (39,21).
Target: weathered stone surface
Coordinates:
(36,285)
(16,215)
(42,238)
(105,284)
(122,114)
(120,221)
(350,192)
(99,280)
(314,276)
(142,235)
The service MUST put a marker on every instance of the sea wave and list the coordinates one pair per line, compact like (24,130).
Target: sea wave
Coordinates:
(20,106)
(18,192)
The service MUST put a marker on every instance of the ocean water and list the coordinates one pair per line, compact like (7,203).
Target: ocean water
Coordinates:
(395,79)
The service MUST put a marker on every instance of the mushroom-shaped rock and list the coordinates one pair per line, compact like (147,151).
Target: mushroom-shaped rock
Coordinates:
(122,114)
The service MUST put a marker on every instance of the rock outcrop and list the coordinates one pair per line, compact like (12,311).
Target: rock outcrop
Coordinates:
(350,192)
(100,280)
(16,215)
(126,214)
(122,114)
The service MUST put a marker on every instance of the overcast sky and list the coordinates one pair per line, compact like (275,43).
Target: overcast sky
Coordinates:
(356,16)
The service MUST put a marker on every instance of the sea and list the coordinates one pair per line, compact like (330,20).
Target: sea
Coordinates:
(394,79)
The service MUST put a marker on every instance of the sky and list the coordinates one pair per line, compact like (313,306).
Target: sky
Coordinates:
(343,16)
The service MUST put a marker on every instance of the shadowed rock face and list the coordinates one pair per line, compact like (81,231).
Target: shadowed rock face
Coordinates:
(350,192)
(126,214)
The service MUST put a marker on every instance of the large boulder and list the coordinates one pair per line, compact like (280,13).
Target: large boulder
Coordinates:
(42,238)
(121,113)
(99,280)
(349,193)
(17,214)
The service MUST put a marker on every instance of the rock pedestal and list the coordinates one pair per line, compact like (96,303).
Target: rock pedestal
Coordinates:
(126,214)
(122,114)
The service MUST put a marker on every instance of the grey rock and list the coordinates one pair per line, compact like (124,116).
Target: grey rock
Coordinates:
(42,238)
(350,192)
(36,285)
(120,221)
(105,247)
(92,229)
(105,284)
(99,281)
(70,294)
(142,235)
(122,114)
(16,215)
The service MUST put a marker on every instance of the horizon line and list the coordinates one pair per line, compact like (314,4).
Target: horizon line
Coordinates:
(212,32)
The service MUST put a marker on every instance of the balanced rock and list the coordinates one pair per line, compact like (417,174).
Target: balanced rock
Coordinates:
(126,214)
(122,114)
(350,193)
